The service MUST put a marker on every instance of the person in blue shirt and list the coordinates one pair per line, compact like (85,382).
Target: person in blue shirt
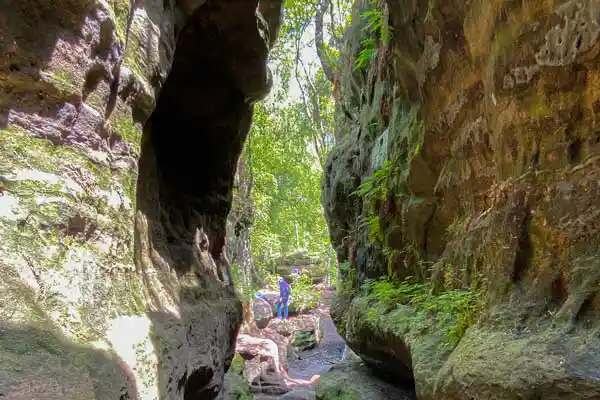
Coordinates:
(284,295)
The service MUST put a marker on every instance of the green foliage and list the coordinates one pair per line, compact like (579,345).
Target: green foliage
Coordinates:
(244,292)
(377,30)
(271,280)
(375,230)
(375,187)
(348,283)
(367,54)
(454,311)
(304,295)
(237,364)
(333,273)
(392,180)
(287,181)
(291,136)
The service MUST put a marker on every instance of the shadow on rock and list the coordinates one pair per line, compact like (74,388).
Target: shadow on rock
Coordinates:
(354,380)
(39,363)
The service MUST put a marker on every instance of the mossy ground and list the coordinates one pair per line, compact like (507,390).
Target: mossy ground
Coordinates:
(235,385)
(353,380)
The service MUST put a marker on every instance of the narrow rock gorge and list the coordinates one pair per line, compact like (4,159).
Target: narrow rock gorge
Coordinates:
(467,173)
(460,197)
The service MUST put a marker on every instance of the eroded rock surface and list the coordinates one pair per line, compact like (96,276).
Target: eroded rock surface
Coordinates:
(488,111)
(355,381)
(79,79)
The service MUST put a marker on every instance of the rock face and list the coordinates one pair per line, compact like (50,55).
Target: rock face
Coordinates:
(354,381)
(481,120)
(94,96)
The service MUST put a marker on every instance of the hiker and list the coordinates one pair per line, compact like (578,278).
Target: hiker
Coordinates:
(284,294)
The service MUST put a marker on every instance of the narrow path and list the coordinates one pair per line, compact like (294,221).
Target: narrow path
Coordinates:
(329,351)
(315,362)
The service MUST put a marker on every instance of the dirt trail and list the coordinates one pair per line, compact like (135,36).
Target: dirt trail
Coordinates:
(329,351)
(312,363)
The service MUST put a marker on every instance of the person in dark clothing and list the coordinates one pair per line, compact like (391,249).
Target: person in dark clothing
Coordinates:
(284,295)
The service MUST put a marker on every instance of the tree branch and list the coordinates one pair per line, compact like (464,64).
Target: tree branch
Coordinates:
(306,107)
(321,51)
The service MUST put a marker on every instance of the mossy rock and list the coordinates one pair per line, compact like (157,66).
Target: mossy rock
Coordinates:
(235,387)
(50,364)
(550,365)
(303,340)
(237,364)
(336,391)
(355,381)
(298,257)
(392,341)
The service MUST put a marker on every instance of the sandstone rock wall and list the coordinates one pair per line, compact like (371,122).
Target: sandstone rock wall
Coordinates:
(488,112)
(79,81)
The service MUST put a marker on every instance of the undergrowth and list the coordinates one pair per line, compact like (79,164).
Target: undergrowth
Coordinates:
(245,292)
(391,181)
(303,296)
(378,31)
(453,311)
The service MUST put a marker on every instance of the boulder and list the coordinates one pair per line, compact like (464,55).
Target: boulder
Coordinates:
(263,312)
(262,367)
(299,394)
(298,257)
(355,381)
(303,340)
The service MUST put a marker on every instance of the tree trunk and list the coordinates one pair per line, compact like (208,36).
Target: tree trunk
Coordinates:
(319,42)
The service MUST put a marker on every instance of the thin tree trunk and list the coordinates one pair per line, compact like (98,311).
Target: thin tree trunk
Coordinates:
(319,42)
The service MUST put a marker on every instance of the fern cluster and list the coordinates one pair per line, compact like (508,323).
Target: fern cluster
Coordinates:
(454,310)
(378,31)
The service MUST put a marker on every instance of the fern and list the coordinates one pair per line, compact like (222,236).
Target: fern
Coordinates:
(374,224)
(374,20)
(455,310)
(367,54)
(378,31)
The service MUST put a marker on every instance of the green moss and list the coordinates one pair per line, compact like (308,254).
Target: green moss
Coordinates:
(40,237)
(132,60)
(452,312)
(120,9)
(335,390)
(52,90)
(66,80)
(128,180)
(96,101)
(124,125)
(20,150)
(237,364)
(30,344)
(236,388)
